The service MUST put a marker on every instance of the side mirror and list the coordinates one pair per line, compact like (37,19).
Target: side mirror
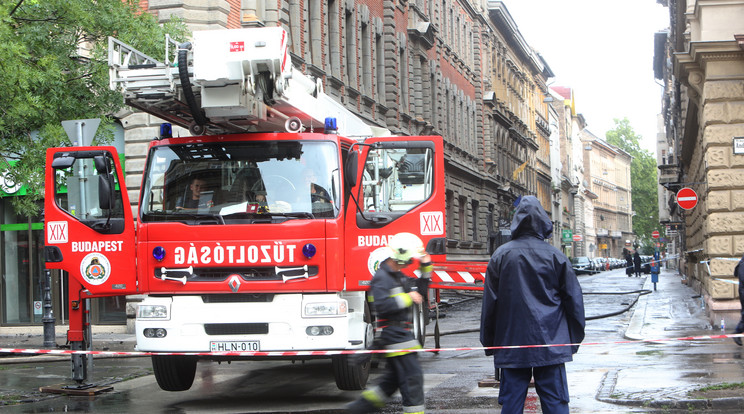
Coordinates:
(105,191)
(351,168)
(63,162)
(101,163)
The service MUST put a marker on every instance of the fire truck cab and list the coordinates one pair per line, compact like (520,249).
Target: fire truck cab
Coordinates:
(261,233)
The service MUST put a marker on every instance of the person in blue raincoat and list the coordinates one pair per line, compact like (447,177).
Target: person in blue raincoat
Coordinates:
(739,273)
(531,297)
(655,266)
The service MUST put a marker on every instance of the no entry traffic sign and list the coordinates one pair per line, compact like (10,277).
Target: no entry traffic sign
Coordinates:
(655,234)
(687,198)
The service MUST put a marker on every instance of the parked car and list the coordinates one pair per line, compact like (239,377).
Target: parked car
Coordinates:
(646,264)
(599,264)
(582,265)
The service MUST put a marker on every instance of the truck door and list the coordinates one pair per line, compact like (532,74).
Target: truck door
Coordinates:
(400,188)
(88,220)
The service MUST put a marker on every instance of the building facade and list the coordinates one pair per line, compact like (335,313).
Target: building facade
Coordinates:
(700,60)
(607,175)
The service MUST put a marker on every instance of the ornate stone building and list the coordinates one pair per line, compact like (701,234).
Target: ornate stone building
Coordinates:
(607,178)
(701,62)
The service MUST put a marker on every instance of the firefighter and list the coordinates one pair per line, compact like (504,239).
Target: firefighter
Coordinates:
(391,296)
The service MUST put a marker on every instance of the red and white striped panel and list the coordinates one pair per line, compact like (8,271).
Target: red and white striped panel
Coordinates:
(444,276)
(459,275)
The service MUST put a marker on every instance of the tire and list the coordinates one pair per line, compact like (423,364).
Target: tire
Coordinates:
(351,373)
(174,373)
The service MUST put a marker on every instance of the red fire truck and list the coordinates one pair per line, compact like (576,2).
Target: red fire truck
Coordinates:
(259,232)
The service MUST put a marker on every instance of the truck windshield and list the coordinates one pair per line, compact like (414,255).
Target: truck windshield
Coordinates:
(262,181)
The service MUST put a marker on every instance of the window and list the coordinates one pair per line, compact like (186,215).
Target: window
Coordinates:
(313,33)
(404,88)
(450,207)
(398,179)
(241,183)
(380,65)
(295,28)
(462,216)
(366,59)
(350,50)
(433,97)
(88,189)
(333,43)
(475,220)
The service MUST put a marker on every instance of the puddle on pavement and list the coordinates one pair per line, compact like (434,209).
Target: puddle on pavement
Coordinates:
(653,352)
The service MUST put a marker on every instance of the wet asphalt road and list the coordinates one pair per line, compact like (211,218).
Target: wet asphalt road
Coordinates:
(607,377)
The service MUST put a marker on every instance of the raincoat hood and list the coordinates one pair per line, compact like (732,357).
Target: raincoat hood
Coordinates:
(530,218)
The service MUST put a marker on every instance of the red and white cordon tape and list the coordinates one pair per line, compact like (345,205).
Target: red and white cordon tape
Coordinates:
(344,351)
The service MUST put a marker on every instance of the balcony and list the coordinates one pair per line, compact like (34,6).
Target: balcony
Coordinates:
(668,174)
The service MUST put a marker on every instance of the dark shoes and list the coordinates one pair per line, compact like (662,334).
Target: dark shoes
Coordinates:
(737,341)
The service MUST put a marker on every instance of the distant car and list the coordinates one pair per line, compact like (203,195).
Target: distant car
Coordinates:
(646,264)
(582,265)
(599,264)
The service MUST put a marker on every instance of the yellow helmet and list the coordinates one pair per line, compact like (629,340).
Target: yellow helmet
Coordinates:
(404,247)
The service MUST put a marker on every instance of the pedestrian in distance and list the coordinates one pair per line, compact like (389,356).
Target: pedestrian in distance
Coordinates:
(531,297)
(739,273)
(391,296)
(655,268)
(628,263)
(637,263)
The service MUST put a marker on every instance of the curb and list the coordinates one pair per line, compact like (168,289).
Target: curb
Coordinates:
(637,319)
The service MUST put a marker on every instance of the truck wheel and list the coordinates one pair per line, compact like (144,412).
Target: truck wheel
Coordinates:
(174,373)
(351,372)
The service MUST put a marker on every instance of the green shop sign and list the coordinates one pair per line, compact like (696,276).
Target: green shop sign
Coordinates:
(567,236)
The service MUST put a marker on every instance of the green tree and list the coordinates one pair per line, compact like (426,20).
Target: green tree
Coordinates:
(643,180)
(54,67)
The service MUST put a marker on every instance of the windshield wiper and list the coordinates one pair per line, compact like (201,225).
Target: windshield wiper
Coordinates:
(178,215)
(294,214)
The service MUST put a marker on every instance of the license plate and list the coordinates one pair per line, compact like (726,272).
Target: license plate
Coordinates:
(234,346)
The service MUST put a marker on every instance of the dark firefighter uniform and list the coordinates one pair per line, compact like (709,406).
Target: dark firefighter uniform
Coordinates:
(391,303)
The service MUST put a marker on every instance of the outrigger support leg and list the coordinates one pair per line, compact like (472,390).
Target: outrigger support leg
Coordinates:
(79,334)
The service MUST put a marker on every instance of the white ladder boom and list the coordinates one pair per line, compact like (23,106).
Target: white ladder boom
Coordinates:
(239,80)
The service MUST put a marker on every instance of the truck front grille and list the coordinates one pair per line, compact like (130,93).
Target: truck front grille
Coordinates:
(238,298)
(236,328)
(220,274)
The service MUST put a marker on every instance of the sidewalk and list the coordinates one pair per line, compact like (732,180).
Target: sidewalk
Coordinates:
(674,310)
(101,342)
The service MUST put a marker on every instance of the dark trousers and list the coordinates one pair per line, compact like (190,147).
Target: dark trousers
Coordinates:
(402,372)
(550,384)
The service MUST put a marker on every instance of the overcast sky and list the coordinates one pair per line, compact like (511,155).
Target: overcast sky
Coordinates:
(604,51)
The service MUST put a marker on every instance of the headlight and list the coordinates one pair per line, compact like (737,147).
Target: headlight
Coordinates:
(152,312)
(322,330)
(335,308)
